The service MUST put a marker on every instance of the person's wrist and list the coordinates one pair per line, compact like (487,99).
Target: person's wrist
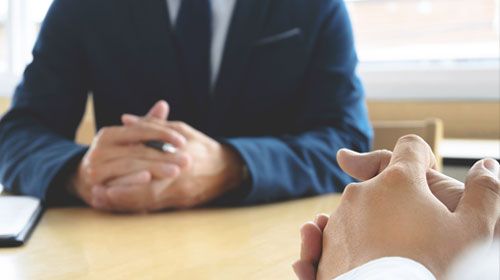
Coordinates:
(77,185)
(233,172)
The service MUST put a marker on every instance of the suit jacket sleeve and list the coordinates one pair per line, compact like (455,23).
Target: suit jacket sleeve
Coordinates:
(334,116)
(37,153)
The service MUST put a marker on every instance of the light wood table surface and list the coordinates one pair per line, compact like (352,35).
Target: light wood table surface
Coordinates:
(258,242)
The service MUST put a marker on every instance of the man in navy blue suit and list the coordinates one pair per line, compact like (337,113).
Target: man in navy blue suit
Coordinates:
(261,94)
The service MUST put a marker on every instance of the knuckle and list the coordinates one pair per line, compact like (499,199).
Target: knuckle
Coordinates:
(166,133)
(185,160)
(157,169)
(396,172)
(92,174)
(106,132)
(481,228)
(150,119)
(488,182)
(351,191)
(92,156)
(103,132)
(384,153)
(182,126)
(138,150)
(385,156)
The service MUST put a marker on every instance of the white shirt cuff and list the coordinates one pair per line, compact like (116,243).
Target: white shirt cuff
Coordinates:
(389,268)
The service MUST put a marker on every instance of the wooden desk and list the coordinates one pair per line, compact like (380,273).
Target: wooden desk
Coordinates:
(242,243)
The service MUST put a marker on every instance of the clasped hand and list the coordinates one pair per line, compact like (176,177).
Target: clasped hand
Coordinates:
(119,173)
(403,207)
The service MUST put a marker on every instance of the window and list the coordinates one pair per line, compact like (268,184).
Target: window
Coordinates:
(35,15)
(22,20)
(418,49)
(19,24)
(3,35)
(428,49)
(426,30)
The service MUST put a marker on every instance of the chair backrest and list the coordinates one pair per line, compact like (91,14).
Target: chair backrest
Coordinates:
(387,134)
(86,130)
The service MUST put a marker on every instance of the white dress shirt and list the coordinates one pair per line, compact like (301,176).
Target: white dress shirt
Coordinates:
(222,11)
(389,268)
(479,262)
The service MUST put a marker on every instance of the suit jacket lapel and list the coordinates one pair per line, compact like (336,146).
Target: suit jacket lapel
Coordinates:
(157,57)
(155,51)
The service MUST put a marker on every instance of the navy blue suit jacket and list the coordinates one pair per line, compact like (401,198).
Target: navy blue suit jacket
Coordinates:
(287,97)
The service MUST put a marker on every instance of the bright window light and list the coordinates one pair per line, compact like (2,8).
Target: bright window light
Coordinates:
(425,30)
(4,7)
(407,48)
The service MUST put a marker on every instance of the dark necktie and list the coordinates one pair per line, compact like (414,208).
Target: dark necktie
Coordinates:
(194,34)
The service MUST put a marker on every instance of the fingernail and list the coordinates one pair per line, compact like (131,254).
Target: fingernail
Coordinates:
(344,150)
(163,103)
(348,152)
(295,266)
(317,218)
(492,165)
(182,141)
(302,231)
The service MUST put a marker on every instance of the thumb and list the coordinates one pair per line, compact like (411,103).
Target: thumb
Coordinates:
(159,111)
(480,204)
(363,166)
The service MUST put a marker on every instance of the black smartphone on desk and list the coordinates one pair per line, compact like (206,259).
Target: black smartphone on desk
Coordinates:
(19,215)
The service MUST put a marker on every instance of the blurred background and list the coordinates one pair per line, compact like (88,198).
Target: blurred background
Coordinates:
(420,59)
(387,31)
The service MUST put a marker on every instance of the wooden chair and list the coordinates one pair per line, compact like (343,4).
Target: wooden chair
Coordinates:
(86,130)
(387,134)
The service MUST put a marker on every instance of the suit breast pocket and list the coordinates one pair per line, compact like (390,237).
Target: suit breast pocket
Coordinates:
(276,68)
(272,82)
(279,37)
